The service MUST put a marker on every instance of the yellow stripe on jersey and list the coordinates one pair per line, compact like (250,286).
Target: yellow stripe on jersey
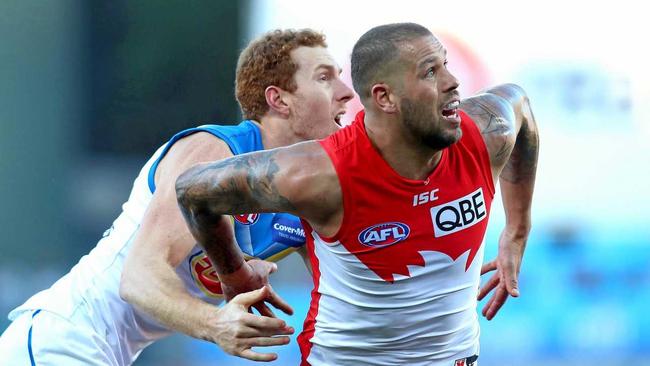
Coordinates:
(280,255)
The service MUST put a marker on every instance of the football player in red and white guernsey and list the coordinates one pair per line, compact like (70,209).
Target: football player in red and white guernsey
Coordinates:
(395,207)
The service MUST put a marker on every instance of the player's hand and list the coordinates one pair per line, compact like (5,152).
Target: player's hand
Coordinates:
(504,282)
(255,276)
(237,331)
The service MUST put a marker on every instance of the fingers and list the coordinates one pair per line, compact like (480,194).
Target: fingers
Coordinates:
(268,341)
(274,267)
(488,286)
(264,310)
(247,299)
(275,300)
(509,274)
(256,356)
(495,303)
(269,267)
(248,353)
(510,280)
(256,298)
(488,267)
(247,332)
(270,326)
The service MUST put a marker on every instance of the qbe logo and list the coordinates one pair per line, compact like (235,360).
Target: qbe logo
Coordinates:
(383,235)
(460,214)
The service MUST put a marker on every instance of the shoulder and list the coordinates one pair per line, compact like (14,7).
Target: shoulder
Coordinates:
(201,143)
(496,117)
(502,103)
(199,147)
(311,181)
(490,112)
(305,160)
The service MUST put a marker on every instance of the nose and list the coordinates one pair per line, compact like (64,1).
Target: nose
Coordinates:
(344,93)
(451,83)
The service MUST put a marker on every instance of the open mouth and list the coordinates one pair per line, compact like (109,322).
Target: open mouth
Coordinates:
(450,111)
(337,118)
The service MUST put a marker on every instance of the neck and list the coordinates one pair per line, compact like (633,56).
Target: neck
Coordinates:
(404,153)
(276,132)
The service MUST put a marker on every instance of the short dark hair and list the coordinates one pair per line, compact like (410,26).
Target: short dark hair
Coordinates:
(376,49)
(267,61)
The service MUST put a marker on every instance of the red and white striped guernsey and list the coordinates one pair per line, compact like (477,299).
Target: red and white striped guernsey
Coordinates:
(397,284)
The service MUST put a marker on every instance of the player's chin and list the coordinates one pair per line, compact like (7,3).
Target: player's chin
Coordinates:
(451,128)
(453,121)
(333,126)
(323,132)
(455,134)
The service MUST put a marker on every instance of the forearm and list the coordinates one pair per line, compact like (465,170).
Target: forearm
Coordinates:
(155,289)
(203,204)
(517,178)
(240,185)
(517,205)
(214,233)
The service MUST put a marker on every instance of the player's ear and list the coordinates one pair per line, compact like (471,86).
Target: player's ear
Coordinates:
(384,98)
(276,99)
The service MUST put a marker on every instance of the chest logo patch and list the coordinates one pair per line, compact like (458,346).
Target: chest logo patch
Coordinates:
(459,214)
(453,228)
(383,235)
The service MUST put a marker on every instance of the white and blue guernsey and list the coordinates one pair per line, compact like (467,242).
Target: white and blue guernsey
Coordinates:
(91,289)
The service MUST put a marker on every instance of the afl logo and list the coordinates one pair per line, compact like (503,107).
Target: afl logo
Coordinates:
(247,219)
(383,235)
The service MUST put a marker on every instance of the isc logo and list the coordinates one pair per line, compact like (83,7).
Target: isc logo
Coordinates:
(422,198)
(460,214)
(382,235)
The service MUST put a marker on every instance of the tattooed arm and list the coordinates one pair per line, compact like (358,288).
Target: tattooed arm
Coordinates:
(298,179)
(509,130)
(150,283)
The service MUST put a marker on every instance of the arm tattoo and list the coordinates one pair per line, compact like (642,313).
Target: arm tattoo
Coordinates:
(496,121)
(522,164)
(494,112)
(239,185)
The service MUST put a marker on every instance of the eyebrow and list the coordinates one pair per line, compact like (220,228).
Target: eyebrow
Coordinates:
(329,67)
(430,60)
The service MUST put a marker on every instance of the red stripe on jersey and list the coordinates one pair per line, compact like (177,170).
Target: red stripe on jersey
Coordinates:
(309,327)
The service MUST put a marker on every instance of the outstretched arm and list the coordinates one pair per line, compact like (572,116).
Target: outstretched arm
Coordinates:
(510,132)
(150,283)
(298,179)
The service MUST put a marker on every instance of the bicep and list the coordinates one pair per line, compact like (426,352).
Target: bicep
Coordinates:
(163,232)
(288,179)
(497,121)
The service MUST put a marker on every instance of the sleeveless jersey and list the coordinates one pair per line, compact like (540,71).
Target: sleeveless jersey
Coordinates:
(92,285)
(397,284)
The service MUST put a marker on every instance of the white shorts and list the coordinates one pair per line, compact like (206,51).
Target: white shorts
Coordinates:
(41,338)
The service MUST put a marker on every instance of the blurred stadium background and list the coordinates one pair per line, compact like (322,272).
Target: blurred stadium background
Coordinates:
(88,90)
